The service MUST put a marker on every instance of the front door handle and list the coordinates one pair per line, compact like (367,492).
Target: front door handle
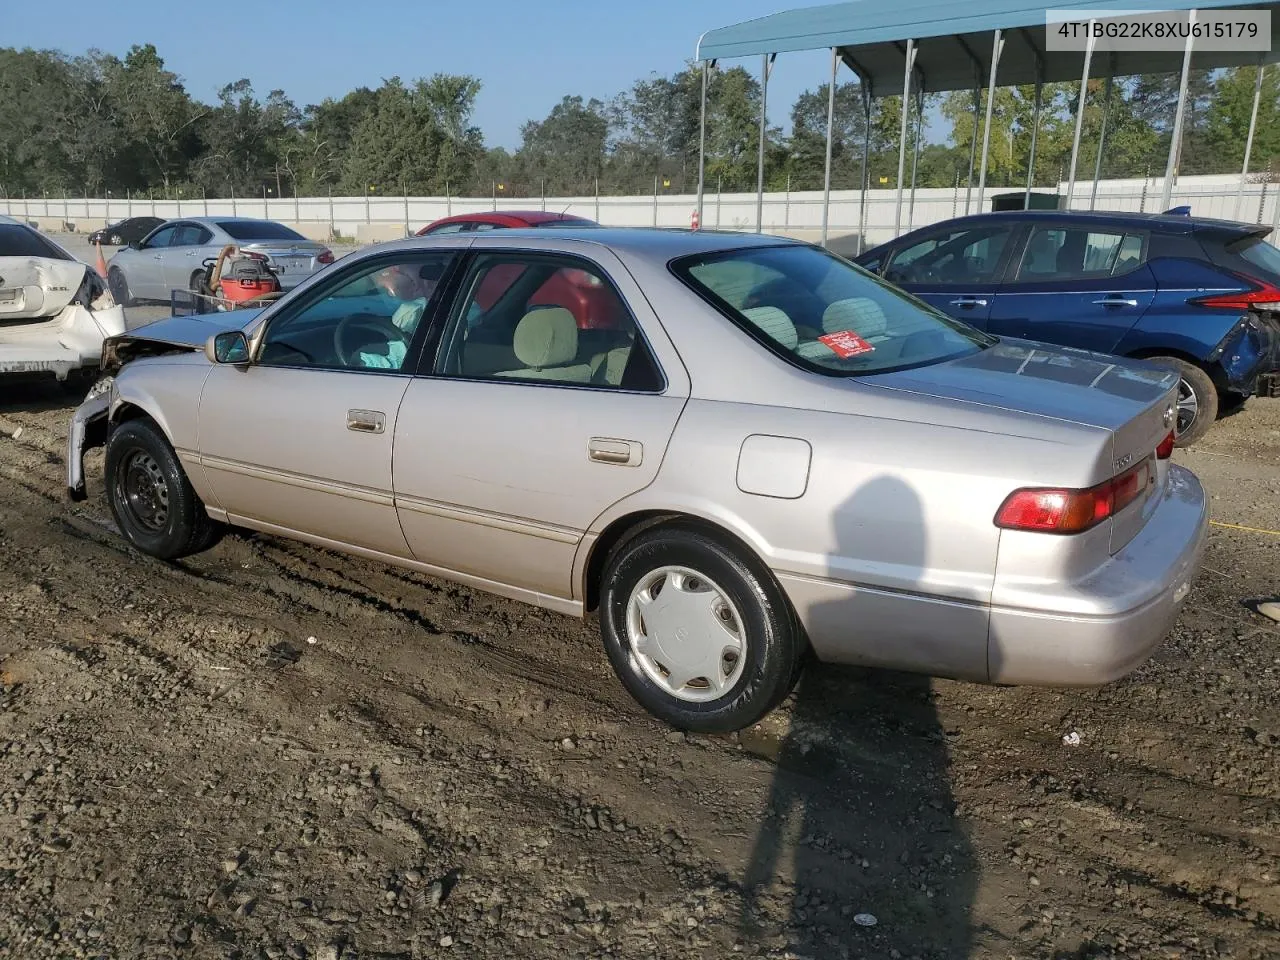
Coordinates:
(623,453)
(366,421)
(969,302)
(1116,300)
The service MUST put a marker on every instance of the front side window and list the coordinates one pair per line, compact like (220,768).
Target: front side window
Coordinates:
(545,319)
(971,255)
(365,321)
(1063,253)
(822,313)
(162,238)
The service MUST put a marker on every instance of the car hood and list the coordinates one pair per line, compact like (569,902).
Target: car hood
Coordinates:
(172,334)
(1044,380)
(194,330)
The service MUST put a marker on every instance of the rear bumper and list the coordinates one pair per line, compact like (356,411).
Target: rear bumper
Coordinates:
(1269,378)
(1105,627)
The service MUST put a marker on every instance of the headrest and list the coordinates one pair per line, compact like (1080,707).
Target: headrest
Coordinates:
(774,323)
(546,337)
(860,314)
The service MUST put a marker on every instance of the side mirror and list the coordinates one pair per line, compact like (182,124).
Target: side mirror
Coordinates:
(135,244)
(230,346)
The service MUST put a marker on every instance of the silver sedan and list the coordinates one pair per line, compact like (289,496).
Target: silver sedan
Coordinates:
(172,256)
(739,450)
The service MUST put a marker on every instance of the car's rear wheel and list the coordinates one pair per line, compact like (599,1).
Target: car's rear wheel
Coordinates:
(119,286)
(700,636)
(150,496)
(1197,400)
(196,286)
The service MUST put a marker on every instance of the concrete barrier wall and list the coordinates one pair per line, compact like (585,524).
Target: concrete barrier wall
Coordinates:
(372,219)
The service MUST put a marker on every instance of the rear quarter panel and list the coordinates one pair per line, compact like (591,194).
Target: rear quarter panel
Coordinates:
(1173,324)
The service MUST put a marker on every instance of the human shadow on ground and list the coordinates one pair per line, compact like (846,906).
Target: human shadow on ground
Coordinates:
(861,803)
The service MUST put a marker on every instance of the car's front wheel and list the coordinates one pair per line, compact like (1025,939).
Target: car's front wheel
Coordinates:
(150,496)
(700,637)
(118,284)
(1197,400)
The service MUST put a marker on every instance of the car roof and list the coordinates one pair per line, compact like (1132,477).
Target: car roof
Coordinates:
(1163,222)
(217,220)
(650,243)
(502,216)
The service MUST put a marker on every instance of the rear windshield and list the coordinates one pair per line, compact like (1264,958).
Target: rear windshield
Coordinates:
(19,241)
(259,230)
(823,313)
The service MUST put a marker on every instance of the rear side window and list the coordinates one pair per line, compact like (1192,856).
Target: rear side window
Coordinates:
(1250,254)
(19,241)
(1062,253)
(258,230)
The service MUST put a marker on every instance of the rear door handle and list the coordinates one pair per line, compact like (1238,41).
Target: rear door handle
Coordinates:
(623,453)
(969,302)
(366,421)
(1116,300)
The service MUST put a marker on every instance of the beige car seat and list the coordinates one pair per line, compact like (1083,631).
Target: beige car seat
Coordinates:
(546,342)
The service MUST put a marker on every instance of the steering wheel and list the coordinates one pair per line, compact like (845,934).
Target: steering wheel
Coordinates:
(366,321)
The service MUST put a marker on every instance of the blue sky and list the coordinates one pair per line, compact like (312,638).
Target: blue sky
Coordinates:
(527,54)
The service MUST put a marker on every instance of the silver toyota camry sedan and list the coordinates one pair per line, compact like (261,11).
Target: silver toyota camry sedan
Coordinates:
(741,451)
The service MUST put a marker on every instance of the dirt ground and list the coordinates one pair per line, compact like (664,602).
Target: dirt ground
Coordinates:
(271,750)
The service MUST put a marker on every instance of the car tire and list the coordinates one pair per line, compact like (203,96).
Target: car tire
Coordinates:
(1197,396)
(118,284)
(726,597)
(196,286)
(150,496)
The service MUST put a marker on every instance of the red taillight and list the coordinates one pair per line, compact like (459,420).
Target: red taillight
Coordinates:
(1260,296)
(1165,450)
(1072,511)
(326,256)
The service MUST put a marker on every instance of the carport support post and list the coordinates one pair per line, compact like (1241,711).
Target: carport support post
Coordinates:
(997,47)
(702,146)
(915,157)
(902,133)
(973,145)
(1248,143)
(866,161)
(1175,144)
(831,120)
(1102,136)
(1035,135)
(1084,92)
(765,65)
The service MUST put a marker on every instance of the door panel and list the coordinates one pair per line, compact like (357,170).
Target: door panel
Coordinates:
(147,271)
(185,256)
(276,447)
(496,479)
(1081,287)
(956,269)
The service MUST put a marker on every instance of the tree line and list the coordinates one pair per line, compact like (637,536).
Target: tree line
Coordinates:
(100,124)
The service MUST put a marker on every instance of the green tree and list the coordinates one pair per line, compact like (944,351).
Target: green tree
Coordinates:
(155,114)
(1227,121)
(566,149)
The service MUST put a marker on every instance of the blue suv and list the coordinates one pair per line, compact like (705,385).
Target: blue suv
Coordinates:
(1196,294)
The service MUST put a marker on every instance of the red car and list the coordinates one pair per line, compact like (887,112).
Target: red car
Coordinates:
(577,291)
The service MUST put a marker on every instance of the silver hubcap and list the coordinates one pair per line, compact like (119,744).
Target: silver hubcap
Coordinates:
(1188,407)
(685,633)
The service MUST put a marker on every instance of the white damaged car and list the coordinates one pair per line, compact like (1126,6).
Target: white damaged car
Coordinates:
(55,311)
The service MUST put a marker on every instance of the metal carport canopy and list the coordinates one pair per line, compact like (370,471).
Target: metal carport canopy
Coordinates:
(953,40)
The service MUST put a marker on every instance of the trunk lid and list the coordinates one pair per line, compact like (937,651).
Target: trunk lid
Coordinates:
(1134,401)
(289,258)
(36,288)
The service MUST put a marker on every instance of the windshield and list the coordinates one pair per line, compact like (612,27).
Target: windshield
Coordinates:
(258,230)
(19,241)
(825,314)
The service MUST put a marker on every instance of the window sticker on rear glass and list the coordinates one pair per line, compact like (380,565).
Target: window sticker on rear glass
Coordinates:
(845,343)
